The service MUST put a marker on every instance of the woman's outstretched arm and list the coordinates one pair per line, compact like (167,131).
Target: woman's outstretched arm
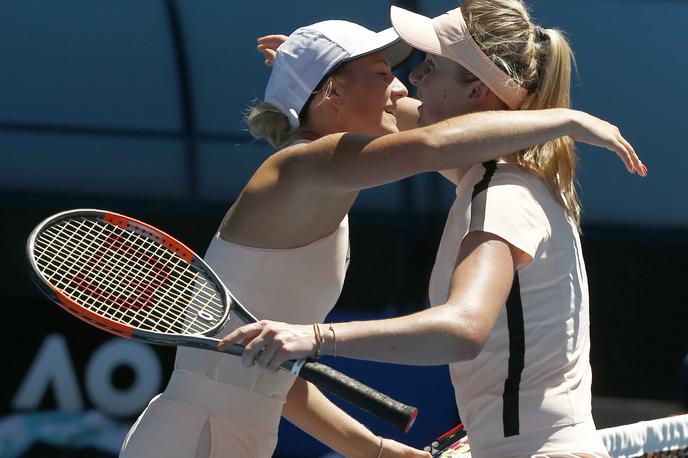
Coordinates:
(347,162)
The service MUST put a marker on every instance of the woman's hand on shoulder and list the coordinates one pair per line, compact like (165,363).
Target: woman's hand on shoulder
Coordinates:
(595,131)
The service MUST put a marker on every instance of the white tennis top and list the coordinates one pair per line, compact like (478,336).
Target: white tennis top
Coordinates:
(212,404)
(298,285)
(532,381)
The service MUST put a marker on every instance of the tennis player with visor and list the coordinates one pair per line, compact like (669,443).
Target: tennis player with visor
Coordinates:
(509,289)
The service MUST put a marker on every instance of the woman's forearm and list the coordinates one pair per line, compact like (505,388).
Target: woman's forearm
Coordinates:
(312,412)
(351,162)
(454,331)
(435,336)
(479,137)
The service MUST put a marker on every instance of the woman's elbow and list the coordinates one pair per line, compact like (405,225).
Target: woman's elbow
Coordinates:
(469,343)
(473,349)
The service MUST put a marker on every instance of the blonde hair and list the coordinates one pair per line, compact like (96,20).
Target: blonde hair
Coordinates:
(541,61)
(265,121)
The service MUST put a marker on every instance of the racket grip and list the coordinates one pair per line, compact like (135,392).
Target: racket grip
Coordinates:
(355,392)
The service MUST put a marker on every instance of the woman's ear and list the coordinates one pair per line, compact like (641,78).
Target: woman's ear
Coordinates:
(334,92)
(332,99)
(483,98)
(479,91)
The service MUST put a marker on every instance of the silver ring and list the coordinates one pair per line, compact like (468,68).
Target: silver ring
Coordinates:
(257,355)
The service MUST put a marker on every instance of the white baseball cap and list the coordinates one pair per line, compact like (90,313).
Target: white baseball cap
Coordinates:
(312,52)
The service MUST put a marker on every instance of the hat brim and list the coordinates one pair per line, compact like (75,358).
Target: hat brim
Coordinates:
(416,30)
(387,42)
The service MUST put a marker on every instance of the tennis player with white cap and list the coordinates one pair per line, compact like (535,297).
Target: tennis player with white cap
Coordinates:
(508,289)
(315,51)
(213,407)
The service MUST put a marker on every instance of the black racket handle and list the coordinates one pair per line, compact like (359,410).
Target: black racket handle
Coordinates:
(355,392)
(340,385)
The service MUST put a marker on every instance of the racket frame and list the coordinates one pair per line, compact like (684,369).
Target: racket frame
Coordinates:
(401,415)
(174,246)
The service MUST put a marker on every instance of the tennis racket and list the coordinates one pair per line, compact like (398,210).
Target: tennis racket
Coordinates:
(452,444)
(135,281)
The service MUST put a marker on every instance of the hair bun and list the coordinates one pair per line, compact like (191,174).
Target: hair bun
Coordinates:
(265,121)
(540,34)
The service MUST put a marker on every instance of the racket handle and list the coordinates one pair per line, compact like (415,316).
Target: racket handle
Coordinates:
(342,386)
(355,392)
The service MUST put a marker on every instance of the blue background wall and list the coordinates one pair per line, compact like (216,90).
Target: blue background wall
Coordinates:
(136,105)
(110,89)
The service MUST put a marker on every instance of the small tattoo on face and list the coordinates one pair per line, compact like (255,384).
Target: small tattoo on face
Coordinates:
(444,94)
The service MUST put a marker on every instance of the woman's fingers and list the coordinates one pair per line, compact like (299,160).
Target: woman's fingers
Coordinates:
(622,152)
(253,349)
(268,45)
(596,131)
(622,149)
(266,356)
(269,54)
(271,41)
(243,335)
(278,357)
(626,152)
(268,344)
(615,143)
(270,57)
(272,44)
(392,448)
(637,163)
(237,336)
(275,37)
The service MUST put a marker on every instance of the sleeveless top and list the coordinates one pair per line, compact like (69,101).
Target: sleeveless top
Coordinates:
(296,285)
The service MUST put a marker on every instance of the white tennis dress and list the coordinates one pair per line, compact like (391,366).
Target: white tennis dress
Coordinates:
(213,406)
(528,393)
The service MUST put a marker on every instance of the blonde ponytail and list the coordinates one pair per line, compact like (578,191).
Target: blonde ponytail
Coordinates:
(541,61)
(556,161)
(267,122)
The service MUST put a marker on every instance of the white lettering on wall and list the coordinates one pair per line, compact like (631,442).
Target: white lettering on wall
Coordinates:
(53,369)
(147,376)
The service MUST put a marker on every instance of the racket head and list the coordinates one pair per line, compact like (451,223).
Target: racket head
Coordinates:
(452,444)
(126,277)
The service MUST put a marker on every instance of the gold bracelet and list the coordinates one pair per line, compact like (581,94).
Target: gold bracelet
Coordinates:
(334,340)
(318,340)
(379,452)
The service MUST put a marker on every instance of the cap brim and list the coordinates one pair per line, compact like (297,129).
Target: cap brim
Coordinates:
(388,42)
(416,30)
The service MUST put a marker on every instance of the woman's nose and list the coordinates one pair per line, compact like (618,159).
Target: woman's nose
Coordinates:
(398,89)
(416,76)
